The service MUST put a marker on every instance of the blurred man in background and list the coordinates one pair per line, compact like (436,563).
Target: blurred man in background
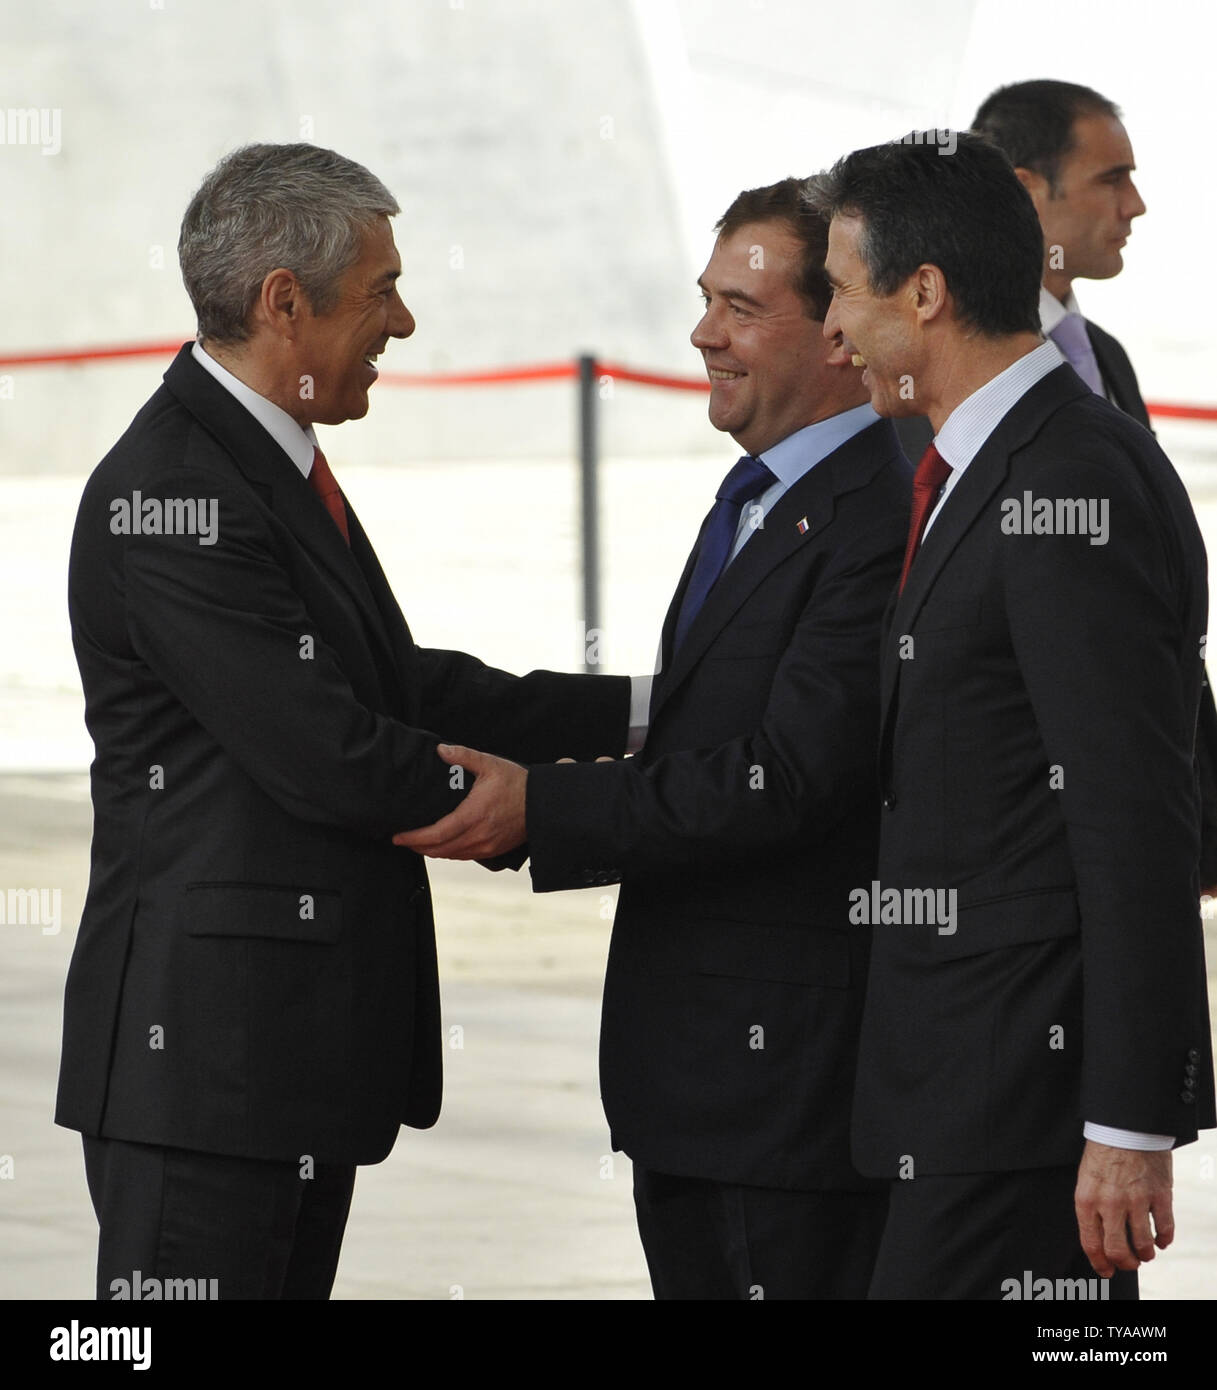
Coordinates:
(1072,154)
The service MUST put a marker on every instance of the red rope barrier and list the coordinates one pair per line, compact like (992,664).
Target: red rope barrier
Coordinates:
(505,376)
(670,383)
(73,357)
(542,371)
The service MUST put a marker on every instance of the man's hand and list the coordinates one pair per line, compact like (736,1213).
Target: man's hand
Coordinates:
(1118,1191)
(490,820)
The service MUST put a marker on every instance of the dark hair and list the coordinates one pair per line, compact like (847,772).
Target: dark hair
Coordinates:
(1032,122)
(958,206)
(789,202)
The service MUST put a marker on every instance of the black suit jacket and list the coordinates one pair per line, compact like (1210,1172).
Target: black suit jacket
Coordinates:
(1039,706)
(734,981)
(915,433)
(255,968)
(1118,375)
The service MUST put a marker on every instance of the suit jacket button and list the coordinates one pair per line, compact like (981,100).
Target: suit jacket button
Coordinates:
(889,801)
(1187,1097)
(1191,1069)
(1193,1054)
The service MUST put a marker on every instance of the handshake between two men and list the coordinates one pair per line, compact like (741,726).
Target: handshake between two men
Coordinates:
(490,821)
(820,1099)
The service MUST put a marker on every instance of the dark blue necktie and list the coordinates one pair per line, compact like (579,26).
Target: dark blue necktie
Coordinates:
(747,479)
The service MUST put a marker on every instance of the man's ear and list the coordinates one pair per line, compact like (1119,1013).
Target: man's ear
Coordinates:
(280,301)
(1035,184)
(928,288)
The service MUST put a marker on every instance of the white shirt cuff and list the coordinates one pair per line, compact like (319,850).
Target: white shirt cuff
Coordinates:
(640,711)
(1127,1138)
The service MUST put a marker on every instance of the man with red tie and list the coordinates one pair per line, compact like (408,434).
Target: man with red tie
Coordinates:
(252,1007)
(1027,1064)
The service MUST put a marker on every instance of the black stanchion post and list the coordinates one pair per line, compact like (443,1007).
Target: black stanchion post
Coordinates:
(590,522)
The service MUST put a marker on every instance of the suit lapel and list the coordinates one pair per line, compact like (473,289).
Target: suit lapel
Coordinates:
(277,479)
(669,623)
(982,478)
(799,515)
(1117,373)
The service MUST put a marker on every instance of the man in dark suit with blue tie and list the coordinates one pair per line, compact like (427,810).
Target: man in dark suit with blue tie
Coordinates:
(252,1007)
(735,975)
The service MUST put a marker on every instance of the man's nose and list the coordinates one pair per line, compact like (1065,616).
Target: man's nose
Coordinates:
(401,321)
(709,332)
(1134,206)
(832,326)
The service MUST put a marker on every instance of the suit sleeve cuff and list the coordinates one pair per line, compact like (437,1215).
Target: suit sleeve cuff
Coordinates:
(1127,1138)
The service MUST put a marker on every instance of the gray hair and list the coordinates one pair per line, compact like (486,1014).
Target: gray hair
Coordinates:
(269,206)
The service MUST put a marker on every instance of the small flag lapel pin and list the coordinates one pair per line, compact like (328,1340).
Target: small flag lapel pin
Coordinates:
(801,527)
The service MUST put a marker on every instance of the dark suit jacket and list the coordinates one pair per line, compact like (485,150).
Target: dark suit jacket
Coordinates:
(1036,758)
(255,968)
(915,433)
(734,980)
(1118,375)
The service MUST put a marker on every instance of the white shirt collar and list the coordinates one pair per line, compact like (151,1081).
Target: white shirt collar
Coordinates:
(298,444)
(974,419)
(1053,310)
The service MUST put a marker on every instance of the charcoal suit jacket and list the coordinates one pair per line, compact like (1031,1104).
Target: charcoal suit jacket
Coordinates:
(1039,699)
(734,981)
(255,969)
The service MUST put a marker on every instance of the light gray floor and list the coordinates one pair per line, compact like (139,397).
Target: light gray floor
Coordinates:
(513,1195)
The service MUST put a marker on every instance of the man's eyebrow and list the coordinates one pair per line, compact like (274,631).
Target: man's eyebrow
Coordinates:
(741,295)
(1115,169)
(387,278)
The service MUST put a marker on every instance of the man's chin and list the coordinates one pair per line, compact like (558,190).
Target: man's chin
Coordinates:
(892,407)
(340,414)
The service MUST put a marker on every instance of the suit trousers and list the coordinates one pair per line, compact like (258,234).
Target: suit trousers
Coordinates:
(258,1229)
(715,1240)
(967,1236)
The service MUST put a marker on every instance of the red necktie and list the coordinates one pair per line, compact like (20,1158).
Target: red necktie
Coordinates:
(323,484)
(932,472)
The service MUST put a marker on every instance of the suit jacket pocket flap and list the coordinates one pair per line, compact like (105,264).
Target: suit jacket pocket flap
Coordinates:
(943,614)
(1014,921)
(262,910)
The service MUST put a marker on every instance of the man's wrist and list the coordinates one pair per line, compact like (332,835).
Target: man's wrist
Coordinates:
(1127,1138)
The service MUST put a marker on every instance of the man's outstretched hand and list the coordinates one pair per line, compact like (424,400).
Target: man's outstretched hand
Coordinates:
(490,820)
(1118,1192)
